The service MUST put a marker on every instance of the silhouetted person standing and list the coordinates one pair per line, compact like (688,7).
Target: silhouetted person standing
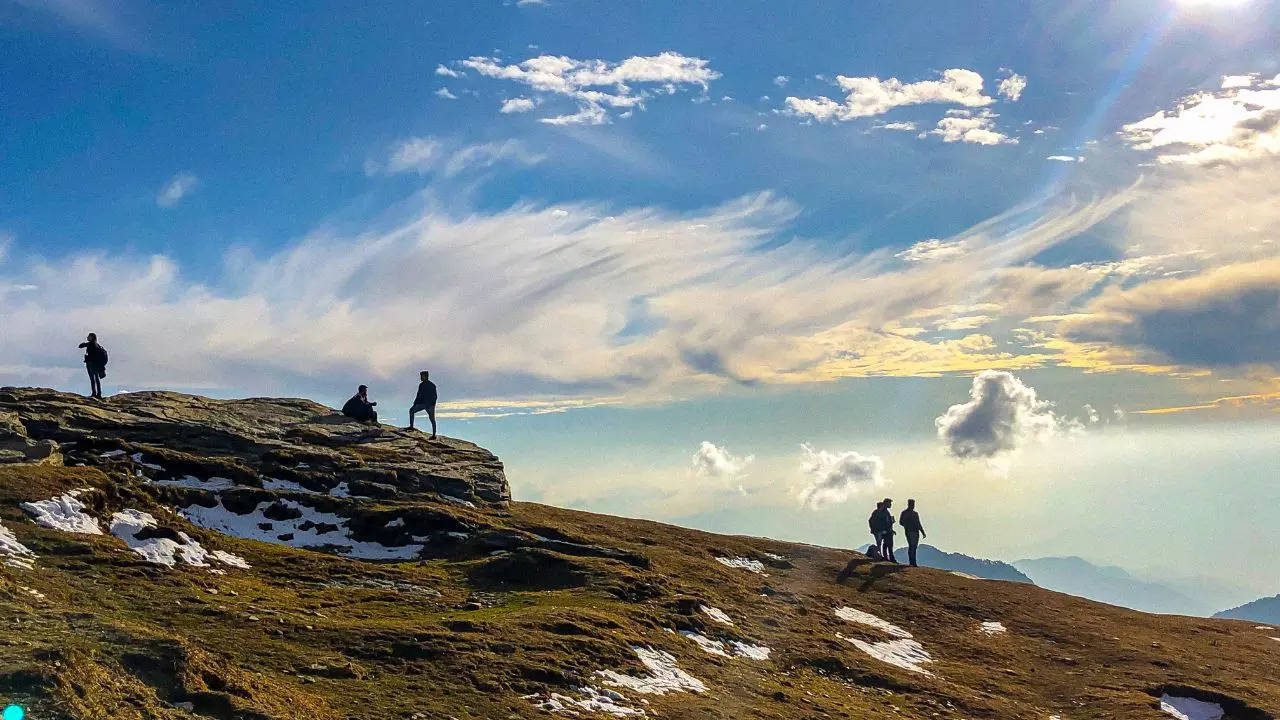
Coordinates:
(425,400)
(910,522)
(876,523)
(885,513)
(95,361)
(359,407)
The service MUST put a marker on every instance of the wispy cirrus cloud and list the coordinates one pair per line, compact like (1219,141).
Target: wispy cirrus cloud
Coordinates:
(428,155)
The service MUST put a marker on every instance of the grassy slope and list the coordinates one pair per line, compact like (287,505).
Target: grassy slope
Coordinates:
(308,635)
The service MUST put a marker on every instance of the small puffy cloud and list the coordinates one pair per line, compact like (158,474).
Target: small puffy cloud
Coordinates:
(1002,415)
(598,85)
(834,477)
(869,96)
(517,105)
(1012,87)
(1238,124)
(1066,158)
(933,250)
(448,72)
(901,126)
(178,187)
(781,80)
(714,461)
(1228,317)
(445,94)
(977,129)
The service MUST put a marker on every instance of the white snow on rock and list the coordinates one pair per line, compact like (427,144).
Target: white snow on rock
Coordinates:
(775,557)
(137,457)
(316,535)
(715,647)
(112,453)
(665,676)
(15,553)
(864,618)
(1263,627)
(964,575)
(902,652)
(716,614)
(991,627)
(1185,708)
(33,592)
(287,485)
(398,522)
(742,563)
(63,512)
(593,700)
(457,500)
(213,484)
(747,650)
(128,524)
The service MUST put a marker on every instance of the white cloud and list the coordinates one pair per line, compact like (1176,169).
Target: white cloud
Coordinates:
(902,126)
(445,94)
(1001,416)
(969,322)
(177,188)
(1066,158)
(932,250)
(977,129)
(527,3)
(714,461)
(868,96)
(598,85)
(517,105)
(1235,125)
(1012,86)
(418,154)
(448,72)
(781,80)
(834,477)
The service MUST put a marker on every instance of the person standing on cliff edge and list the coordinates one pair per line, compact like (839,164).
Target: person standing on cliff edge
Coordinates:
(910,523)
(425,400)
(95,361)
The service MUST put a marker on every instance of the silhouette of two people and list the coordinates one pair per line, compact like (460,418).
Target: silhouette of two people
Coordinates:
(95,361)
(360,408)
(881,523)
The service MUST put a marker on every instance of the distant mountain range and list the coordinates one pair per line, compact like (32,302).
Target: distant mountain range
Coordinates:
(1263,610)
(930,556)
(1110,584)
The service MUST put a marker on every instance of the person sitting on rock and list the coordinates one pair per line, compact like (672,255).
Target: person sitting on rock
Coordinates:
(95,361)
(359,407)
(425,400)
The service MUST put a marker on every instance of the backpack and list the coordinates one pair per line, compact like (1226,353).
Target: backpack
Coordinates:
(99,354)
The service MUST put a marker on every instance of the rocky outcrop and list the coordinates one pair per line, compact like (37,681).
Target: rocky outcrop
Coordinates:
(247,443)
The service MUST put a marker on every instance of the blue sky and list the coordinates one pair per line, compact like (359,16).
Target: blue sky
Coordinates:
(733,264)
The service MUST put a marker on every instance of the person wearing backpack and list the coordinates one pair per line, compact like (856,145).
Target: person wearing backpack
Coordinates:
(95,361)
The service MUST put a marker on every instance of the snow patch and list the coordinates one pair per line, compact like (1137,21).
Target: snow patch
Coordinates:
(457,500)
(213,484)
(903,652)
(593,700)
(137,458)
(665,676)
(747,650)
(112,453)
(742,563)
(398,522)
(864,618)
(775,557)
(33,592)
(128,524)
(1185,708)
(715,647)
(286,485)
(316,534)
(964,575)
(15,554)
(63,512)
(716,614)
(1263,627)
(991,627)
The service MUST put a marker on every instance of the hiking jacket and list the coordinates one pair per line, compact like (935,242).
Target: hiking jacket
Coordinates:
(426,393)
(910,521)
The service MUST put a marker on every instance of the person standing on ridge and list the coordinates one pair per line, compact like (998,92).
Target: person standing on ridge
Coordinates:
(910,522)
(885,513)
(875,522)
(359,407)
(95,361)
(425,400)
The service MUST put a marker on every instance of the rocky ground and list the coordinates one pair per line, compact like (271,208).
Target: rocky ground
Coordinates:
(169,556)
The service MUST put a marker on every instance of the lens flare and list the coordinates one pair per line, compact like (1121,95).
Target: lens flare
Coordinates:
(13,712)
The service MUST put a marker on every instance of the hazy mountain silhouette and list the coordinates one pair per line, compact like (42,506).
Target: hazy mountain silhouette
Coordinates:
(930,556)
(1109,584)
(1265,610)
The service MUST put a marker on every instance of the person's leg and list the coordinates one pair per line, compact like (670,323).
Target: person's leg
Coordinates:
(888,547)
(95,384)
(412,409)
(913,541)
(431,413)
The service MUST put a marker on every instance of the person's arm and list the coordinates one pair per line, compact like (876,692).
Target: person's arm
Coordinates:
(83,345)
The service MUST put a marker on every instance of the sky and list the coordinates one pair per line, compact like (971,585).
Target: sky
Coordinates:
(746,266)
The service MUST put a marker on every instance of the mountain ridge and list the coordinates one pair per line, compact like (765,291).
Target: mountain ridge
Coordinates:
(165,560)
